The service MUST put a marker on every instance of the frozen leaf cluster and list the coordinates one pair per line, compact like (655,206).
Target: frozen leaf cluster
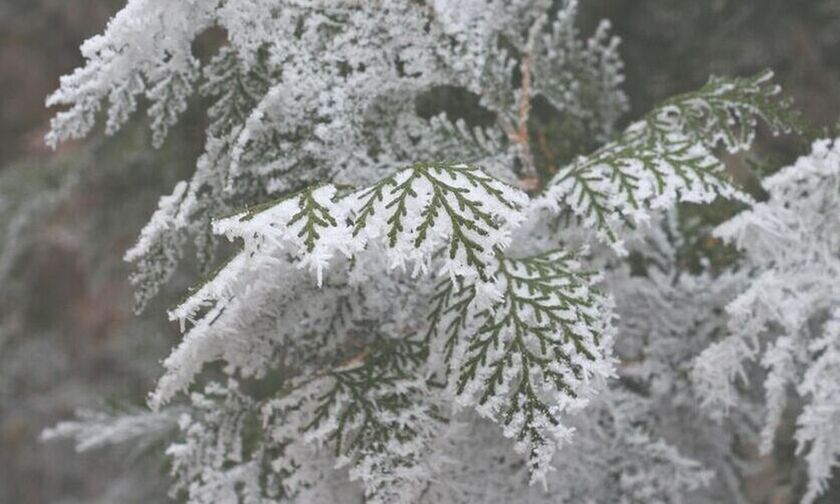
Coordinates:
(433,332)
(668,156)
(312,91)
(786,319)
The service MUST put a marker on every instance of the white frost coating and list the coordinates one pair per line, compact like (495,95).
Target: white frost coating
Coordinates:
(380,331)
(448,218)
(538,354)
(141,52)
(159,223)
(793,243)
(621,183)
(665,158)
(307,231)
(93,430)
(457,208)
(284,227)
(296,98)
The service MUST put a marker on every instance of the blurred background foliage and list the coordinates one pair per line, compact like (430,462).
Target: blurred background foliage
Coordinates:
(68,337)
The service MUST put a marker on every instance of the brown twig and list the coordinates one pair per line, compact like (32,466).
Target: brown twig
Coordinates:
(546,151)
(519,135)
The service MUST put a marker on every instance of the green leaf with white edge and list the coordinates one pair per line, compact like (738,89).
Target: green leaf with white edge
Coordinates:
(536,353)
(368,410)
(668,156)
(725,111)
(420,210)
(410,216)
(308,225)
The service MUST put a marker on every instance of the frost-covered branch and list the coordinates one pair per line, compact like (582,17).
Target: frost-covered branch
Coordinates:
(787,315)
(668,156)
(400,314)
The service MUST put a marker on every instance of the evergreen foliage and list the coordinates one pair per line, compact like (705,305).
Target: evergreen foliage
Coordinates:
(438,331)
(786,317)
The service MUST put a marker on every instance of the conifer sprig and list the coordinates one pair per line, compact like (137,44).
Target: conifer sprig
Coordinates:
(421,203)
(529,357)
(670,155)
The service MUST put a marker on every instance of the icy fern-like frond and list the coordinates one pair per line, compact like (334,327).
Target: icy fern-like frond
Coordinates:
(785,317)
(374,412)
(157,62)
(412,215)
(455,212)
(536,338)
(567,69)
(311,225)
(540,351)
(93,429)
(725,112)
(427,207)
(668,156)
(295,98)
(818,434)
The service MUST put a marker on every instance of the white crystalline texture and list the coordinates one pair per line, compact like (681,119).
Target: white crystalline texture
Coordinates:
(789,311)
(397,327)
(667,157)
(297,97)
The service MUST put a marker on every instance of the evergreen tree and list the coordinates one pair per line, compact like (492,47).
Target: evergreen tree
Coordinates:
(425,294)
